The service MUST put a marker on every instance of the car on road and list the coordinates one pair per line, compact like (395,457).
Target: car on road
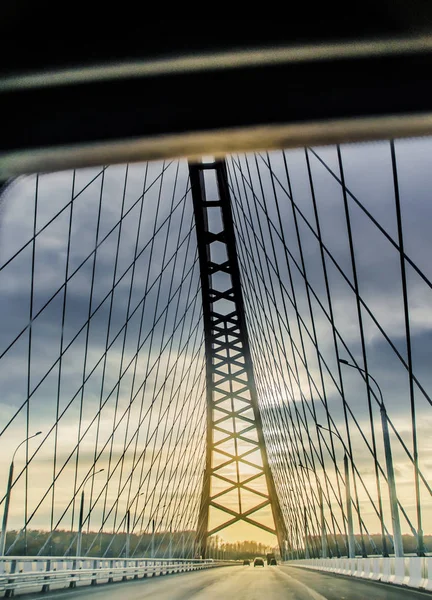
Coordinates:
(258,562)
(273,561)
(246,562)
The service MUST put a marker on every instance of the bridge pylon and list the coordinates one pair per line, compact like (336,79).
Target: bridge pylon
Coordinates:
(238,483)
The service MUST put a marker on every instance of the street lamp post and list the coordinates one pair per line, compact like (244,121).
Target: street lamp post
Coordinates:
(323,525)
(351,539)
(170,541)
(8,495)
(155,512)
(183,537)
(127,548)
(128,529)
(350,526)
(397,535)
(294,524)
(306,533)
(81,513)
(295,535)
(322,518)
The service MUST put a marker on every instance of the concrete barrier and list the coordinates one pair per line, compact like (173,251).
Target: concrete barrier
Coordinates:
(415,575)
(385,575)
(427,574)
(375,569)
(412,571)
(365,568)
(398,577)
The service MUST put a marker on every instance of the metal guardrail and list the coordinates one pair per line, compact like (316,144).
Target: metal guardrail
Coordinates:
(19,573)
(410,571)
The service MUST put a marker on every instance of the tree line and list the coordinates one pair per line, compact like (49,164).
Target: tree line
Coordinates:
(180,544)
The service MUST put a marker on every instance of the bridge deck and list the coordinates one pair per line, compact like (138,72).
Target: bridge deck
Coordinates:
(246,583)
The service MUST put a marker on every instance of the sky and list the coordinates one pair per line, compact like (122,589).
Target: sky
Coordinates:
(150,468)
(368,176)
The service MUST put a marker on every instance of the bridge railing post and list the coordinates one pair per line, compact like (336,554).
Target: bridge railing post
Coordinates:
(95,567)
(9,593)
(46,586)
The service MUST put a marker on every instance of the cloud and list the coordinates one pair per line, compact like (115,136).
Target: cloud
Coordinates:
(161,366)
(282,329)
(293,381)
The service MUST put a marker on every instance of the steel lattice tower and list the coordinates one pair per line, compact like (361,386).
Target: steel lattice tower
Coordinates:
(234,426)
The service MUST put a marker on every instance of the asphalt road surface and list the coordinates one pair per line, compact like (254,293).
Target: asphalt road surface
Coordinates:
(243,583)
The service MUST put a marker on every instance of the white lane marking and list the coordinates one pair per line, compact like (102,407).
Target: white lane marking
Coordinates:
(313,594)
(149,587)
